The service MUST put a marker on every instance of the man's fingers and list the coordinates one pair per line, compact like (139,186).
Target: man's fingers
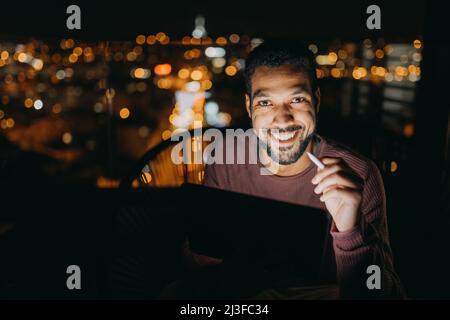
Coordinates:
(345,194)
(336,179)
(328,160)
(325,172)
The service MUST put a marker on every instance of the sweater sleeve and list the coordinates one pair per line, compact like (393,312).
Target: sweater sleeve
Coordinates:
(366,245)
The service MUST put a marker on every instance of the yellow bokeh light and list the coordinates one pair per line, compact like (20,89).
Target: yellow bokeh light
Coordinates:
(206,84)
(38,64)
(165,40)
(234,38)
(10,122)
(160,36)
(73,58)
(394,166)
(380,71)
(87,51)
(138,50)
(183,73)
(186,40)
(166,134)
(22,57)
(69,43)
(408,130)
(163,69)
(195,53)
(332,57)
(196,75)
(188,55)
(417,44)
(221,41)
(379,54)
(151,39)
(67,137)
(139,73)
(4,55)
(124,113)
(319,73)
(230,70)
(28,103)
(131,56)
(401,71)
(164,83)
(336,73)
(195,41)
(363,72)
(359,73)
(78,51)
(140,39)
(56,108)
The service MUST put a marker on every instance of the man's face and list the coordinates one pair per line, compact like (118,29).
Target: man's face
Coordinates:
(282,104)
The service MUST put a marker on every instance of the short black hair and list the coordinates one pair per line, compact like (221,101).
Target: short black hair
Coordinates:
(275,53)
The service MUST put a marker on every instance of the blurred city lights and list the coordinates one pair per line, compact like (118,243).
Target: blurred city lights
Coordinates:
(67,137)
(38,104)
(211,108)
(140,73)
(163,69)
(215,52)
(124,113)
(230,70)
(72,76)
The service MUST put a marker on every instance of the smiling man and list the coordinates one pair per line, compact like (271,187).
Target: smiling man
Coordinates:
(283,102)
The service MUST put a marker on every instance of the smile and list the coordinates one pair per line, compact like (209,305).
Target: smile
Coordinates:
(285,137)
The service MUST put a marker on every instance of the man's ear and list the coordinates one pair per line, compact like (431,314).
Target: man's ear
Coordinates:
(248,105)
(317,98)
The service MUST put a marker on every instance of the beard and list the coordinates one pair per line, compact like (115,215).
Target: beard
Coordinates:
(287,155)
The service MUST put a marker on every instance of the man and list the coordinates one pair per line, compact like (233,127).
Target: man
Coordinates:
(283,102)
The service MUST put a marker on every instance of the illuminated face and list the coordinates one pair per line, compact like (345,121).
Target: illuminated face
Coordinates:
(282,103)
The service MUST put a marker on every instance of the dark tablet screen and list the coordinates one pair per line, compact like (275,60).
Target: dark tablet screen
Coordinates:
(275,234)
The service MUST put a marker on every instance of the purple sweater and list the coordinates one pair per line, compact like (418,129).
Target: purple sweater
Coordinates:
(349,253)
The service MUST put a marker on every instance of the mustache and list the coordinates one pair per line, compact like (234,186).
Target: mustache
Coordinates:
(287,129)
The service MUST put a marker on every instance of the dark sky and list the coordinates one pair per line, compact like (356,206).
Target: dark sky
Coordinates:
(122,19)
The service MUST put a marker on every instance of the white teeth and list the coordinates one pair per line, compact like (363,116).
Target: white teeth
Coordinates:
(283,136)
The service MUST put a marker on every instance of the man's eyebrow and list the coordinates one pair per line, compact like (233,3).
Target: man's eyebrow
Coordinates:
(296,89)
(299,89)
(260,93)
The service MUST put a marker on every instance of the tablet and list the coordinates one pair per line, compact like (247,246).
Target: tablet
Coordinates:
(234,226)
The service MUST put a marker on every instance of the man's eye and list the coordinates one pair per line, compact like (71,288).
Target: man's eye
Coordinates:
(298,100)
(264,103)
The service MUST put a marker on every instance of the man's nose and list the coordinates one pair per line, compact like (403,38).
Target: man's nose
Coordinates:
(284,116)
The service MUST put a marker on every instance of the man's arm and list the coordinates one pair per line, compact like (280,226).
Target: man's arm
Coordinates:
(360,234)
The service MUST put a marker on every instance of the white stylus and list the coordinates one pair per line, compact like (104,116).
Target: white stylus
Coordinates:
(316,161)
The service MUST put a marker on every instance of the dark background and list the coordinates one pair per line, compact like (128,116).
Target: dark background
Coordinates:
(122,19)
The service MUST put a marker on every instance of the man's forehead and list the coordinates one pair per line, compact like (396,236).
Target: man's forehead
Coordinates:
(285,77)
(283,69)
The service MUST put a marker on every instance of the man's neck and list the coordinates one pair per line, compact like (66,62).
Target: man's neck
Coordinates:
(291,169)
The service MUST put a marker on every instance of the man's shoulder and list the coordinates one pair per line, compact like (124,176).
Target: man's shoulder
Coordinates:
(361,164)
